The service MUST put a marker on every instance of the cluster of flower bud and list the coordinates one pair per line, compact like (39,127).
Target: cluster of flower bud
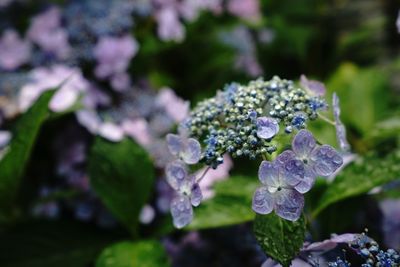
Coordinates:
(243,119)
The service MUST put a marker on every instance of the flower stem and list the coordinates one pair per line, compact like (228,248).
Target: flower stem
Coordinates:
(327,119)
(204,174)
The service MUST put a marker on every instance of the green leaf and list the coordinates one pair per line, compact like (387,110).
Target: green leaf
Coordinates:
(49,244)
(146,253)
(279,238)
(360,177)
(231,204)
(12,166)
(122,175)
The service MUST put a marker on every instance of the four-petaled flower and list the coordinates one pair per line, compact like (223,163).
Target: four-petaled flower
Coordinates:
(318,160)
(280,178)
(187,149)
(187,190)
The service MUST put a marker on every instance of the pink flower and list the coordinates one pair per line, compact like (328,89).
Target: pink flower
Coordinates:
(246,9)
(138,129)
(14,51)
(47,33)
(176,107)
(169,26)
(113,55)
(43,79)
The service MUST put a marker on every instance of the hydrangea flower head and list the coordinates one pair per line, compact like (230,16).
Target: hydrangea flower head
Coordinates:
(187,190)
(279,179)
(187,149)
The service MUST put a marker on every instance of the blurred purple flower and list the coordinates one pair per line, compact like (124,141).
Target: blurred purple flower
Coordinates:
(169,26)
(176,107)
(111,131)
(246,9)
(187,190)
(147,214)
(14,51)
(43,79)
(47,33)
(391,222)
(5,137)
(315,88)
(279,179)
(340,128)
(138,129)
(190,9)
(398,22)
(214,175)
(5,3)
(113,55)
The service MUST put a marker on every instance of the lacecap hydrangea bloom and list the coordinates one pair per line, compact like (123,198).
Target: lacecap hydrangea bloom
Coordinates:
(245,120)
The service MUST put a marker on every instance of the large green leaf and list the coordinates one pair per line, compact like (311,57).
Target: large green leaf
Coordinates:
(360,177)
(279,238)
(231,204)
(13,164)
(145,253)
(49,244)
(122,175)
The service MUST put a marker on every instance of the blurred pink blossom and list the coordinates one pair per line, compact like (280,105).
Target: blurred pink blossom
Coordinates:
(113,55)
(13,50)
(138,129)
(42,79)
(111,131)
(190,9)
(169,26)
(176,107)
(212,176)
(246,9)
(47,33)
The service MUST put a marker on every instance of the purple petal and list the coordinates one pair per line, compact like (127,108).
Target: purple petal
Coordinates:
(263,201)
(196,195)
(303,143)
(268,173)
(176,174)
(314,87)
(267,127)
(289,204)
(181,211)
(293,172)
(192,151)
(174,143)
(285,156)
(326,160)
(307,182)
(340,128)
(111,131)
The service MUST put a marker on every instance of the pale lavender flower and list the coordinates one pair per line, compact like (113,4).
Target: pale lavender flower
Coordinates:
(14,51)
(315,88)
(267,127)
(331,243)
(88,119)
(111,131)
(175,107)
(340,128)
(279,193)
(138,129)
(47,33)
(246,9)
(120,81)
(169,26)
(318,160)
(187,149)
(5,137)
(43,79)
(214,175)
(147,214)
(398,22)
(188,193)
(113,55)
(190,9)
(391,222)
